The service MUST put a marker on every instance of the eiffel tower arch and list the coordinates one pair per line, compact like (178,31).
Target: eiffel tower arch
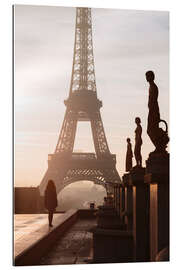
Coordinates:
(64,166)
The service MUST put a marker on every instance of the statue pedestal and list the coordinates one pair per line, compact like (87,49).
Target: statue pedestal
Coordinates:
(119,196)
(107,218)
(128,201)
(122,201)
(157,177)
(111,242)
(112,246)
(140,214)
(158,163)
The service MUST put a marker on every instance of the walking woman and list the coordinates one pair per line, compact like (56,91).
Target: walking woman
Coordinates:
(50,200)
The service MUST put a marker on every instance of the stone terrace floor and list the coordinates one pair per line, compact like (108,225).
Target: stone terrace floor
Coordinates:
(75,247)
(29,227)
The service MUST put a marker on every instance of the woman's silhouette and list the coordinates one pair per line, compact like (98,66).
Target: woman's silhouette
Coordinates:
(50,200)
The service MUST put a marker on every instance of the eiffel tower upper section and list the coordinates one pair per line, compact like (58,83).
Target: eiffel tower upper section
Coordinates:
(82,103)
(83,75)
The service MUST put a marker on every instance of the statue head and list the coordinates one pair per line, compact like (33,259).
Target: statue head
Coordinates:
(137,120)
(150,76)
(128,140)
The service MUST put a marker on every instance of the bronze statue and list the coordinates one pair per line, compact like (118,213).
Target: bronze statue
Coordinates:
(158,136)
(138,142)
(129,155)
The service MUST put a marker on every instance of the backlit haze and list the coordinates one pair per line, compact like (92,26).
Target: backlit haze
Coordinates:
(126,44)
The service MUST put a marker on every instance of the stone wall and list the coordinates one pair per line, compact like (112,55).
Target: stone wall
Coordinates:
(27,200)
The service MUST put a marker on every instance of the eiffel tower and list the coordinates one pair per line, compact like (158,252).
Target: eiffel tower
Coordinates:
(64,166)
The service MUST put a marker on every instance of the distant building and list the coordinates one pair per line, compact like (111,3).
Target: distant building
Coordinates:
(27,200)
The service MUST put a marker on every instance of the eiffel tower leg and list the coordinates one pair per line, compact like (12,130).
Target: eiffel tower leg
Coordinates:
(58,165)
(67,135)
(99,137)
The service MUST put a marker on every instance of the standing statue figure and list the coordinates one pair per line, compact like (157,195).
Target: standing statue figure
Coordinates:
(157,135)
(138,142)
(129,155)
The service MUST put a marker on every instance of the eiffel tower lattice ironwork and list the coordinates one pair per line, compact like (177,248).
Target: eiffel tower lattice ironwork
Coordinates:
(64,166)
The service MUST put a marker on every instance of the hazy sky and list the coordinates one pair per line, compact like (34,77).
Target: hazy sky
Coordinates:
(126,44)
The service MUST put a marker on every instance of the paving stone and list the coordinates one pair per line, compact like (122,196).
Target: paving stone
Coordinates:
(75,247)
(29,228)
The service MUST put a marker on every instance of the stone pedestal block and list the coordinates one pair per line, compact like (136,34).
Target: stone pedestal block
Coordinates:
(157,176)
(112,246)
(140,214)
(111,241)
(128,201)
(107,218)
(123,198)
(117,196)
